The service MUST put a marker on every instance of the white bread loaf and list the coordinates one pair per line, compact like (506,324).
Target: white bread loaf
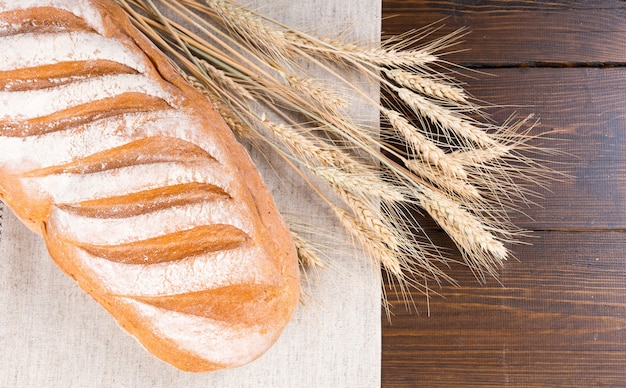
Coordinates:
(139,189)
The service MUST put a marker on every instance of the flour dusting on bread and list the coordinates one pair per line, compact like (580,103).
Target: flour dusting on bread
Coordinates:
(138,187)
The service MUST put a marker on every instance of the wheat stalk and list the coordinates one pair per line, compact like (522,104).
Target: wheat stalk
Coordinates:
(252,28)
(382,57)
(452,185)
(427,85)
(372,242)
(226,112)
(473,237)
(423,147)
(365,186)
(222,80)
(316,92)
(448,119)
(456,167)
(308,255)
(316,151)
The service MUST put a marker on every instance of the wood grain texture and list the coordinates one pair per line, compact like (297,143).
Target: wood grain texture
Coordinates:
(520,33)
(558,318)
(582,114)
(557,314)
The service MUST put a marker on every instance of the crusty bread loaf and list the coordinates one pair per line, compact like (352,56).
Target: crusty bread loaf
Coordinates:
(139,189)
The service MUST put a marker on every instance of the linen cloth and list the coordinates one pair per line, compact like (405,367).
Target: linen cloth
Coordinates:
(53,335)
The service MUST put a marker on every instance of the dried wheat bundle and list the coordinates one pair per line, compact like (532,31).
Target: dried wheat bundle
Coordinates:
(436,152)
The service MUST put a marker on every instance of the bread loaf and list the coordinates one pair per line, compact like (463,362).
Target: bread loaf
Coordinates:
(137,186)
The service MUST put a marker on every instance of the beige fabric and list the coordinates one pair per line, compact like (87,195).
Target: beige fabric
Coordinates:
(53,335)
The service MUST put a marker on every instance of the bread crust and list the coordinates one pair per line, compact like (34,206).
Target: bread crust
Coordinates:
(218,318)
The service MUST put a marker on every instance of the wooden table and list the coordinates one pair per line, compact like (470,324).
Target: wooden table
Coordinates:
(558,315)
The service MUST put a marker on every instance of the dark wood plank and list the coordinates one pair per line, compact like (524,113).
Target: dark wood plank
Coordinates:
(510,33)
(583,110)
(558,318)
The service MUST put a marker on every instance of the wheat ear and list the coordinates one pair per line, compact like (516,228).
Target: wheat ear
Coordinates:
(427,86)
(448,119)
(475,239)
(423,147)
